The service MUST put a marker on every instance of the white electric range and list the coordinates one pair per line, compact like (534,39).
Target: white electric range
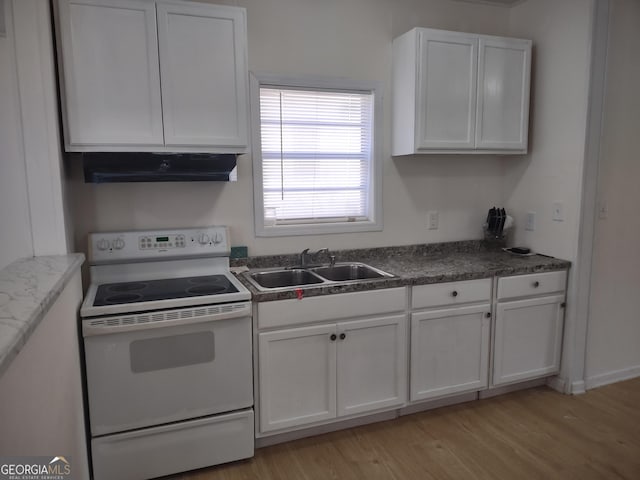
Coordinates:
(168,352)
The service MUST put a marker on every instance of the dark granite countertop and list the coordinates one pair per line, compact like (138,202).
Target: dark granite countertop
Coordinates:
(411,265)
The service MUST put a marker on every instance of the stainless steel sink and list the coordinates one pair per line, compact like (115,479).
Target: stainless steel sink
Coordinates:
(285,278)
(349,271)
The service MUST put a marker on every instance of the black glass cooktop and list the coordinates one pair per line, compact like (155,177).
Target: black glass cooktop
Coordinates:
(166,289)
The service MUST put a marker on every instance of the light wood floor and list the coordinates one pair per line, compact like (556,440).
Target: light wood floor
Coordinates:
(532,434)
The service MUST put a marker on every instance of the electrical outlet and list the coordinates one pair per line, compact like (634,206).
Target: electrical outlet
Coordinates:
(603,210)
(530,221)
(432,220)
(558,212)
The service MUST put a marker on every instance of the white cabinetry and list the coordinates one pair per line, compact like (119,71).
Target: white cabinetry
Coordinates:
(528,327)
(450,344)
(460,93)
(317,373)
(297,376)
(145,75)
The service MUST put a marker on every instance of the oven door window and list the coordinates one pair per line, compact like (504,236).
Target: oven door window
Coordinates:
(173,351)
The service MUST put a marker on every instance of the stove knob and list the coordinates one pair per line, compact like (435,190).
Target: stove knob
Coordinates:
(217,240)
(118,244)
(203,238)
(103,244)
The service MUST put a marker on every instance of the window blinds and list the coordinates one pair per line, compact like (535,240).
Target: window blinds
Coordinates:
(316,155)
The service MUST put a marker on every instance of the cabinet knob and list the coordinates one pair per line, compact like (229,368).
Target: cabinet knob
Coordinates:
(488,314)
(454,293)
(536,284)
(333,337)
(343,336)
(563,304)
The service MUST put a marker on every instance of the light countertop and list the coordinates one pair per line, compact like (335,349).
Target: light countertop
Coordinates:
(28,289)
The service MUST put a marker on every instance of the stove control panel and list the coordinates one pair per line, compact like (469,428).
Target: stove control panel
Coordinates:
(114,247)
(146,242)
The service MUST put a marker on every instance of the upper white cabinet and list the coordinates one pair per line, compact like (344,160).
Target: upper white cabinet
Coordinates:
(504,73)
(204,73)
(460,93)
(146,75)
(110,73)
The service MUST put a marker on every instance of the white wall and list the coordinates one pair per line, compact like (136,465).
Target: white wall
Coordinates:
(32,220)
(613,351)
(331,38)
(552,171)
(15,226)
(41,409)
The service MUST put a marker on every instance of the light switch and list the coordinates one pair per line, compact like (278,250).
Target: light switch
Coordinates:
(530,221)
(432,220)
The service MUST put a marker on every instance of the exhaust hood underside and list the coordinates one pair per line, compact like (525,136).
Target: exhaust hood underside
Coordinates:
(109,167)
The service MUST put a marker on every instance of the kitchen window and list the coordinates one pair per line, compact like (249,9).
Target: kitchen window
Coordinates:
(316,166)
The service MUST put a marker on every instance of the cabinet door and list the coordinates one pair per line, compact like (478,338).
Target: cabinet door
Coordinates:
(371,364)
(449,351)
(203,64)
(504,70)
(110,70)
(446,94)
(297,376)
(528,336)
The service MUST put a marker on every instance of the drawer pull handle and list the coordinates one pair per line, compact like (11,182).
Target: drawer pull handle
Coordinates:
(454,293)
(343,336)
(488,314)
(333,337)
(536,284)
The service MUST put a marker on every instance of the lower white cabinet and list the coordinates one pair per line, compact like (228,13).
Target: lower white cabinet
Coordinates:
(450,338)
(449,351)
(371,364)
(317,373)
(528,326)
(528,339)
(297,376)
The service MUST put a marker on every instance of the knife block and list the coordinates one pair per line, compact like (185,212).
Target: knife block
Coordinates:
(493,240)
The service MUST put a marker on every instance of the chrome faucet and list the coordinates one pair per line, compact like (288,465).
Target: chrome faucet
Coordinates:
(309,259)
(304,257)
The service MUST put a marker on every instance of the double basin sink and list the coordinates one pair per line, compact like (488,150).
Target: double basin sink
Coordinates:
(300,277)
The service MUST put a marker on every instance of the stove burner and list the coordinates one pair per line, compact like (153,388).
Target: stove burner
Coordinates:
(127,287)
(123,298)
(206,289)
(163,289)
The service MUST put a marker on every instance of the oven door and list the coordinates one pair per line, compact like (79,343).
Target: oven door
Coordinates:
(161,367)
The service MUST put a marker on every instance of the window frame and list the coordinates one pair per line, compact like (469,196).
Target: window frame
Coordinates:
(374,222)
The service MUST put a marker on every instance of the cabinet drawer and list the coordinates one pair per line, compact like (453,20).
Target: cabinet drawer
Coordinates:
(534,284)
(451,293)
(330,307)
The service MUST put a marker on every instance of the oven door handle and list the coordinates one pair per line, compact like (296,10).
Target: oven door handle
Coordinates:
(164,319)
